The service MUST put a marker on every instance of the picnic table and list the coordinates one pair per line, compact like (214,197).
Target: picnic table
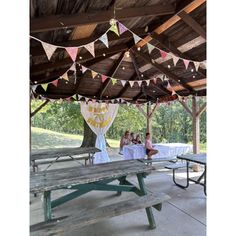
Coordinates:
(81,180)
(44,156)
(189,159)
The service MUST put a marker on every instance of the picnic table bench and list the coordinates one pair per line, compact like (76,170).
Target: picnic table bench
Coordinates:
(50,156)
(81,180)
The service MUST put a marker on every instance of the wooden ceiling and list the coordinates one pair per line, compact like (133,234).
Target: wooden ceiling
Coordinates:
(177,26)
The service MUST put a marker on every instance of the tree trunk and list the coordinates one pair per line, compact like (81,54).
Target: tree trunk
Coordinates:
(89,137)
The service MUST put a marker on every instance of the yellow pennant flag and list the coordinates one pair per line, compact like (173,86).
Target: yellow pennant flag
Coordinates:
(65,76)
(93,74)
(114,29)
(114,81)
(45,86)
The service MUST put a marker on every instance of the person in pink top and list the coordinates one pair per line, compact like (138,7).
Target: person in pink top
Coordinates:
(149,148)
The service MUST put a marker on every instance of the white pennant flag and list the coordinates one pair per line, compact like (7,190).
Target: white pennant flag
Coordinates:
(150,47)
(155,80)
(123,82)
(83,68)
(33,87)
(148,82)
(90,48)
(49,49)
(139,82)
(86,99)
(104,39)
(73,67)
(196,64)
(175,59)
(131,83)
(136,38)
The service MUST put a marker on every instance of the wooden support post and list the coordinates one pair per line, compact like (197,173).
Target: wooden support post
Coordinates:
(149,120)
(195,126)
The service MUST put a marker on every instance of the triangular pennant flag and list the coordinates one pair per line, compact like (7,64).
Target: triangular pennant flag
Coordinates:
(168,86)
(93,74)
(163,53)
(104,39)
(45,86)
(150,47)
(196,64)
(90,48)
(103,78)
(114,81)
(114,29)
(186,62)
(72,51)
(49,49)
(122,28)
(86,99)
(154,80)
(33,87)
(148,82)
(65,76)
(83,69)
(68,99)
(55,82)
(173,92)
(136,38)
(175,59)
(74,96)
(131,83)
(139,82)
(123,82)
(73,67)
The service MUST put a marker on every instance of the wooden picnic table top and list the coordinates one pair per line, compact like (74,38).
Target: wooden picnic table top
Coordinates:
(62,178)
(60,152)
(197,158)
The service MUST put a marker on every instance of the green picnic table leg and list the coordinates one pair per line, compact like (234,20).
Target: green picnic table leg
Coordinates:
(47,205)
(149,212)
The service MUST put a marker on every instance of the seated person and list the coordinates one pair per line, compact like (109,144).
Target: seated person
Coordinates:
(125,140)
(132,139)
(149,148)
(137,140)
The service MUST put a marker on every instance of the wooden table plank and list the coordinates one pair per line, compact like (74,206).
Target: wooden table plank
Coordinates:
(60,178)
(60,152)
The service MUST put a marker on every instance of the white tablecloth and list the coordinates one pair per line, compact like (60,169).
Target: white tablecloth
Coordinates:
(165,150)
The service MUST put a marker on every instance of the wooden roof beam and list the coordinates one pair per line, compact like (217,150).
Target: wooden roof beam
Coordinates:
(187,6)
(111,73)
(164,71)
(55,22)
(192,23)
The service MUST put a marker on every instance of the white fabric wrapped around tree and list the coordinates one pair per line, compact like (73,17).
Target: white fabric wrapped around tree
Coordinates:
(99,117)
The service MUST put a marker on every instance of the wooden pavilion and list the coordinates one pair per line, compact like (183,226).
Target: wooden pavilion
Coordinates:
(174,26)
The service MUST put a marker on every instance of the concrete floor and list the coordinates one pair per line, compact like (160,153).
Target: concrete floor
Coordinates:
(184,214)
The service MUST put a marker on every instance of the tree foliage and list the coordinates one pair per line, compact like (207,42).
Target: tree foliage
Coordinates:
(170,123)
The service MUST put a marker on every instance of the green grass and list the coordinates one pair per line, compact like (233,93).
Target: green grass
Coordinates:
(42,138)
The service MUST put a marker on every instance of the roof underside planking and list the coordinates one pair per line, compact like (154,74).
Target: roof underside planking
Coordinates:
(171,25)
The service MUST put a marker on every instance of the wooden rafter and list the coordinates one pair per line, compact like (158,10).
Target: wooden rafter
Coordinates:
(55,22)
(188,7)
(201,109)
(165,71)
(111,73)
(186,107)
(192,23)
(39,108)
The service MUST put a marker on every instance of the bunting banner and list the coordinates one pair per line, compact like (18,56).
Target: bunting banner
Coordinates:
(196,64)
(163,53)
(83,69)
(73,67)
(139,82)
(72,51)
(131,83)
(103,78)
(65,76)
(104,39)
(114,81)
(150,47)
(49,49)
(55,82)
(44,86)
(94,74)
(136,38)
(186,63)
(123,82)
(175,59)
(90,48)
(148,82)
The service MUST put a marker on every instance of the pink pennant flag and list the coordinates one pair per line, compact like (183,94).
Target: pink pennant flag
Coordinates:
(154,80)
(196,64)
(103,78)
(123,82)
(186,62)
(90,48)
(175,59)
(83,69)
(68,99)
(55,82)
(163,53)
(131,83)
(49,49)
(72,51)
(122,28)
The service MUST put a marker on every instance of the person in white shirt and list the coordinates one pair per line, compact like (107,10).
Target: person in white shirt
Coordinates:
(125,140)
(149,147)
